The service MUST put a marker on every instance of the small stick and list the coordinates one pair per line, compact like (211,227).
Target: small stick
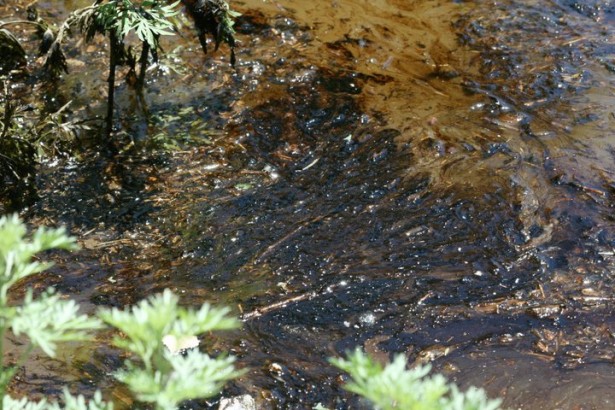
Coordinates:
(283,303)
(277,305)
(111,80)
(277,244)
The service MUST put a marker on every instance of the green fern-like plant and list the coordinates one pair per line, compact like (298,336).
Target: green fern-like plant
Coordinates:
(46,320)
(115,19)
(153,332)
(393,387)
(70,403)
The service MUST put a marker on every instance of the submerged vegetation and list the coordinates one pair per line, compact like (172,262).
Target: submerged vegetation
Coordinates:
(25,139)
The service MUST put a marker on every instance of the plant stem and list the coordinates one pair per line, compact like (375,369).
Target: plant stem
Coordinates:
(3,385)
(111,80)
(143,61)
(8,111)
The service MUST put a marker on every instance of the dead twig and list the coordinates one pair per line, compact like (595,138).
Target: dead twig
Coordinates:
(277,305)
(293,299)
(271,248)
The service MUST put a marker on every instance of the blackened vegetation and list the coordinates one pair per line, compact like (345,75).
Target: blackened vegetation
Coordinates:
(13,54)
(17,159)
(212,17)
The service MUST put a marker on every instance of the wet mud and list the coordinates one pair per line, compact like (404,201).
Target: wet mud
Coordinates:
(431,178)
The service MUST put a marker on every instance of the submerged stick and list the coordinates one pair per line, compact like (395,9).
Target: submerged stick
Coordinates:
(271,248)
(277,305)
(293,299)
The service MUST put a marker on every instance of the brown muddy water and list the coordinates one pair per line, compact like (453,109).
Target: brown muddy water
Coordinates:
(433,178)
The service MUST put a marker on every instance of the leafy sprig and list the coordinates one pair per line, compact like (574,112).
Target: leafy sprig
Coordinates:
(194,375)
(156,375)
(49,320)
(70,403)
(16,252)
(149,20)
(161,376)
(394,387)
(46,320)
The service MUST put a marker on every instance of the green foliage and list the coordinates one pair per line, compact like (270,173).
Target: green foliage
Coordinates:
(192,376)
(395,387)
(161,376)
(158,328)
(70,403)
(149,20)
(16,252)
(46,320)
(49,320)
(145,325)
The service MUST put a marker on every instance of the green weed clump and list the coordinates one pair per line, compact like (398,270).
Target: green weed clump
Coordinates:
(45,320)
(154,373)
(152,331)
(393,387)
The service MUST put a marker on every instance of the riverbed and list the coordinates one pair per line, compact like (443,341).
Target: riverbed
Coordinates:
(432,178)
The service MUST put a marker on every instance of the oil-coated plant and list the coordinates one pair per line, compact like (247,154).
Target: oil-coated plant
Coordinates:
(11,50)
(17,152)
(25,137)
